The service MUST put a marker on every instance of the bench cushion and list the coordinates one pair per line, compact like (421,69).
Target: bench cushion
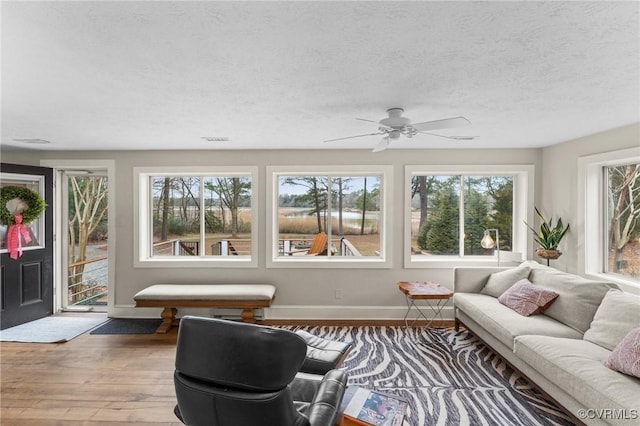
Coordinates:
(207,292)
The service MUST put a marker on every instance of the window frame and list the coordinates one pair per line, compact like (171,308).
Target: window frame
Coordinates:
(38,225)
(591,213)
(523,195)
(143,207)
(386,213)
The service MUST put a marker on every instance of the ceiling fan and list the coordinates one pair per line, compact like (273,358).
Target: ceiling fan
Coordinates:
(396,125)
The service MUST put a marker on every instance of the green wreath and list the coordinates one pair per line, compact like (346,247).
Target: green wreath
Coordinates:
(31,198)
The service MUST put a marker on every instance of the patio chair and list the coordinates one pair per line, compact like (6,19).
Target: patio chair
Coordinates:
(318,247)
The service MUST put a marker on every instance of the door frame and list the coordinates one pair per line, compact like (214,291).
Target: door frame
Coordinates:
(59,250)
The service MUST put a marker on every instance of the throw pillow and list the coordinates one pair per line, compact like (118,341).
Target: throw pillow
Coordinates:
(618,313)
(625,357)
(527,299)
(579,297)
(499,282)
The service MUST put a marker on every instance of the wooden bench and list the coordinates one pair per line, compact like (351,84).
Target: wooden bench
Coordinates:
(171,296)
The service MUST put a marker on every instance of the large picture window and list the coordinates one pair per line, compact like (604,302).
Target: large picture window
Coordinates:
(328,216)
(622,220)
(609,203)
(197,216)
(449,214)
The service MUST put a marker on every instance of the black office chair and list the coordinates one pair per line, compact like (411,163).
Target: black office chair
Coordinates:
(237,374)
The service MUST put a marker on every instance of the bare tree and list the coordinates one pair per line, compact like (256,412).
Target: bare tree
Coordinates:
(364,206)
(87,211)
(317,190)
(422,185)
(624,192)
(165,209)
(230,191)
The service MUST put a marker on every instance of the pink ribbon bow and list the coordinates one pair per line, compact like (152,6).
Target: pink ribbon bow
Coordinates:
(14,242)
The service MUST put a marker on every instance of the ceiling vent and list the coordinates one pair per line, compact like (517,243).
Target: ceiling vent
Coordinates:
(215,138)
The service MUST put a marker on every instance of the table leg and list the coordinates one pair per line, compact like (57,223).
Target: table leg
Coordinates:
(435,307)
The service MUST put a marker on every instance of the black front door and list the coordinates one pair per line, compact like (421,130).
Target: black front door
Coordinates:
(26,283)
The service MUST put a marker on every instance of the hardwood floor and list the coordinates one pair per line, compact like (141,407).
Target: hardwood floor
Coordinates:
(92,379)
(97,379)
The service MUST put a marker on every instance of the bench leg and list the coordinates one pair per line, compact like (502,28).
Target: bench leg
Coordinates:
(247,315)
(168,318)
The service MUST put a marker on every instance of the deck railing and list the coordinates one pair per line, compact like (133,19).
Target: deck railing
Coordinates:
(93,284)
(242,247)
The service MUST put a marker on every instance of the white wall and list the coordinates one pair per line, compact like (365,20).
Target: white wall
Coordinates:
(300,293)
(559,182)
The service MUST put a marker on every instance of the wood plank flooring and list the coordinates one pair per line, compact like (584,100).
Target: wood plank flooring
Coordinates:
(92,379)
(96,379)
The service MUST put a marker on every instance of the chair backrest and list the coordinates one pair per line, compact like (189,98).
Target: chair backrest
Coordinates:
(233,374)
(319,244)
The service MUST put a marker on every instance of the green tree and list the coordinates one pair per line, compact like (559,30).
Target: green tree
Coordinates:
(441,235)
(501,217)
(475,221)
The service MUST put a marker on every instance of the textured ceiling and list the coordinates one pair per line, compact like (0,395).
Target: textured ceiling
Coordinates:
(288,75)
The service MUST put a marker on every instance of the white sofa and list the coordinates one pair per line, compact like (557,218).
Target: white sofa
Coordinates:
(563,349)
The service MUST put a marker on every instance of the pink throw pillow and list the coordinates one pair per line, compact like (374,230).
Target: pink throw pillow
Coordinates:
(527,299)
(625,357)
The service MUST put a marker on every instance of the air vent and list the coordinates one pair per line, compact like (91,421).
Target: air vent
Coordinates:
(35,141)
(215,138)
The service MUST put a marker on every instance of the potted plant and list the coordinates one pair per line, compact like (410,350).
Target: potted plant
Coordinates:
(548,237)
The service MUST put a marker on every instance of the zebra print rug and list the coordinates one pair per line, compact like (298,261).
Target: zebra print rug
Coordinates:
(448,377)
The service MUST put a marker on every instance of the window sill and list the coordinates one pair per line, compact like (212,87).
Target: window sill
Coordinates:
(457,261)
(328,263)
(627,284)
(197,262)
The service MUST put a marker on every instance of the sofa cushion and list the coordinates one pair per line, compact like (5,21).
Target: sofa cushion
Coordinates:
(578,298)
(625,357)
(577,367)
(499,282)
(505,324)
(618,313)
(527,299)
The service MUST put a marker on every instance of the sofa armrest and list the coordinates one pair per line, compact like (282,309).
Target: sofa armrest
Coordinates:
(471,279)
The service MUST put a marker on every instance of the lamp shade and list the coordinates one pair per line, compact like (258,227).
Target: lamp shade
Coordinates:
(487,242)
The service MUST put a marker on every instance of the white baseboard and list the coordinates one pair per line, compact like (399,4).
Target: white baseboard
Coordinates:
(348,312)
(293,312)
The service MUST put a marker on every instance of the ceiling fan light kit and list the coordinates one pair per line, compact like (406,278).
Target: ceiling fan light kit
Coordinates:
(395,125)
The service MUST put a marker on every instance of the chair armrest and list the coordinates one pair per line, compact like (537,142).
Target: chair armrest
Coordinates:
(325,402)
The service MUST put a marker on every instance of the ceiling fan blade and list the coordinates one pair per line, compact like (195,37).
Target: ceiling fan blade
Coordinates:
(357,136)
(380,125)
(458,138)
(445,123)
(370,121)
(382,145)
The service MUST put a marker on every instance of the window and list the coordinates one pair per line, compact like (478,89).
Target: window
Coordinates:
(36,228)
(332,215)
(203,216)
(610,199)
(449,212)
(622,220)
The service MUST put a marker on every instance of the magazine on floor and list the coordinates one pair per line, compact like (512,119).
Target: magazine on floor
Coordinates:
(370,407)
